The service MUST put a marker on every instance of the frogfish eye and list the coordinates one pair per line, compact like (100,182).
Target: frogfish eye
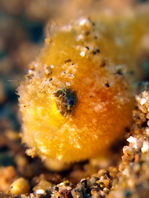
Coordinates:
(66,100)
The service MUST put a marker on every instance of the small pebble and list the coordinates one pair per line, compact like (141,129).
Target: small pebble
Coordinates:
(19,186)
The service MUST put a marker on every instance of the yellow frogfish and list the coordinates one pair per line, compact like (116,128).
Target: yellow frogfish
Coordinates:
(78,96)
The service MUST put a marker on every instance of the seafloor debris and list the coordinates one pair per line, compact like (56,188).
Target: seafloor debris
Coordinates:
(133,175)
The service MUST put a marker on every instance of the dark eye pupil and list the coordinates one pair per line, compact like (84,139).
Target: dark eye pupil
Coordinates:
(71,102)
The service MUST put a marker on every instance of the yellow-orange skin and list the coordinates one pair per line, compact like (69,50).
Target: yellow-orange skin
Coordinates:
(101,113)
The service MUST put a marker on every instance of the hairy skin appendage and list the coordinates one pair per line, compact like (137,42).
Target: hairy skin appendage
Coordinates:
(78,96)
